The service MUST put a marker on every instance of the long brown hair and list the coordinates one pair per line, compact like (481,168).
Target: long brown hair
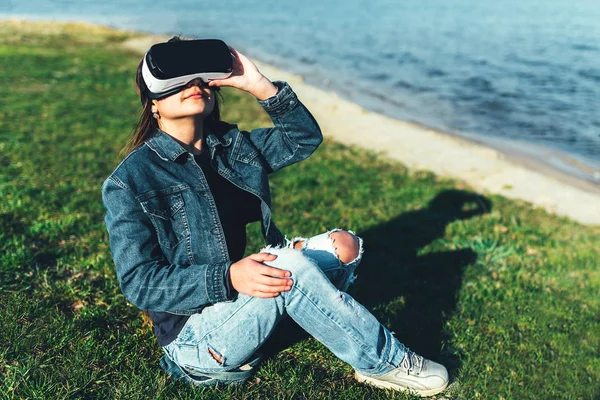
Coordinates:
(147,125)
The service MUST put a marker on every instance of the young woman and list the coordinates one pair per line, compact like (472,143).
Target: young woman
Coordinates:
(176,212)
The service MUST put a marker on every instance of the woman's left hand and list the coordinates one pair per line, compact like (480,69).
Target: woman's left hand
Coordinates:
(246,77)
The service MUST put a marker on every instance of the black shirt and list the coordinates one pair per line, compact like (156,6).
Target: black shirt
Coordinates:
(236,208)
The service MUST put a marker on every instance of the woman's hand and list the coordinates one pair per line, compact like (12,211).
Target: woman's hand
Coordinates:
(249,276)
(246,77)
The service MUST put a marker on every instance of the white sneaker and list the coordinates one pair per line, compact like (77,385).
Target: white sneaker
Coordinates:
(415,374)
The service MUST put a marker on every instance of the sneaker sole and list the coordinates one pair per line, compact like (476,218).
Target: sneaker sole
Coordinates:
(389,385)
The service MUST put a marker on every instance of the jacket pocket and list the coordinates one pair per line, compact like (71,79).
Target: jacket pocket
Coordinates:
(246,153)
(167,213)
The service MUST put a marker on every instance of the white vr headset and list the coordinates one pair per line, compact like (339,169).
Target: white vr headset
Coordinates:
(168,67)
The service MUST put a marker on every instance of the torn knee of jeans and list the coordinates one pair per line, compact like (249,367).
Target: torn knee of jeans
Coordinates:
(347,245)
(298,243)
(218,357)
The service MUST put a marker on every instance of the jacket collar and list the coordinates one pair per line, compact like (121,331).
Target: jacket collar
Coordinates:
(169,149)
(165,146)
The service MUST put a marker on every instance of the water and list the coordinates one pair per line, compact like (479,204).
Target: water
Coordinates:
(525,74)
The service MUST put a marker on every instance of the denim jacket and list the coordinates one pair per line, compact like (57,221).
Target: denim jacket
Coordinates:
(165,235)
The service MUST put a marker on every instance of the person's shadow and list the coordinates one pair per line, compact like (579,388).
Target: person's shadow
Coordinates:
(412,295)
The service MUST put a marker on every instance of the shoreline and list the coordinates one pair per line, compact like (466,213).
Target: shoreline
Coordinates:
(510,173)
(505,171)
(487,169)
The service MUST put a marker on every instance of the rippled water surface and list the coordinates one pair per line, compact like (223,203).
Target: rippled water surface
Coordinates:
(528,70)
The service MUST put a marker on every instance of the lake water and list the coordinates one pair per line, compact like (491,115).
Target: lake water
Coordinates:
(524,75)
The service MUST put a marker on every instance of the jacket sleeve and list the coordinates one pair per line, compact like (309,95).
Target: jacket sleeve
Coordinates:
(146,278)
(295,134)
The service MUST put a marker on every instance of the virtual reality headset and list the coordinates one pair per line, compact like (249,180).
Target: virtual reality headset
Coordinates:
(169,66)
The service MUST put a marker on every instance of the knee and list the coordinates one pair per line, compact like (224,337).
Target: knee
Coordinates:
(291,260)
(347,246)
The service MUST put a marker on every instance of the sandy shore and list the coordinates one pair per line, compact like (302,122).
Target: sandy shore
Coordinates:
(485,169)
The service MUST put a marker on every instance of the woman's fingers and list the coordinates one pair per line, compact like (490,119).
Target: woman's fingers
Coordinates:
(262,257)
(215,83)
(237,54)
(265,269)
(269,281)
(245,76)
(265,295)
(270,289)
(274,272)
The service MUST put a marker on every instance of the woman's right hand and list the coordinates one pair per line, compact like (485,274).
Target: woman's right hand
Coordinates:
(246,77)
(253,278)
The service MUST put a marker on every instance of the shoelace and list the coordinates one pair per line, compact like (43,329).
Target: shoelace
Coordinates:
(412,360)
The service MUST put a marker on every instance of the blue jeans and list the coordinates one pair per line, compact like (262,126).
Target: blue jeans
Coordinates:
(226,335)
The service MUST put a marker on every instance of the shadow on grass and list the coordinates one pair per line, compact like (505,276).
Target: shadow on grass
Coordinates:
(412,294)
(11,224)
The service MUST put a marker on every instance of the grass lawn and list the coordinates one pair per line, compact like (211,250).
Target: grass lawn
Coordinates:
(502,293)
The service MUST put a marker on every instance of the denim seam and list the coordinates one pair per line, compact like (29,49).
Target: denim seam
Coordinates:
(118,182)
(284,101)
(215,283)
(237,154)
(236,146)
(188,241)
(158,236)
(113,175)
(171,190)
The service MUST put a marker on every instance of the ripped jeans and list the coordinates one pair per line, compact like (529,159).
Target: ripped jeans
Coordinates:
(224,336)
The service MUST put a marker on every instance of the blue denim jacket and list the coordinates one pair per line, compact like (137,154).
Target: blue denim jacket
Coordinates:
(165,235)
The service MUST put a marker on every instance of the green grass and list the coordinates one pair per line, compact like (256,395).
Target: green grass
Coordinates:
(502,293)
